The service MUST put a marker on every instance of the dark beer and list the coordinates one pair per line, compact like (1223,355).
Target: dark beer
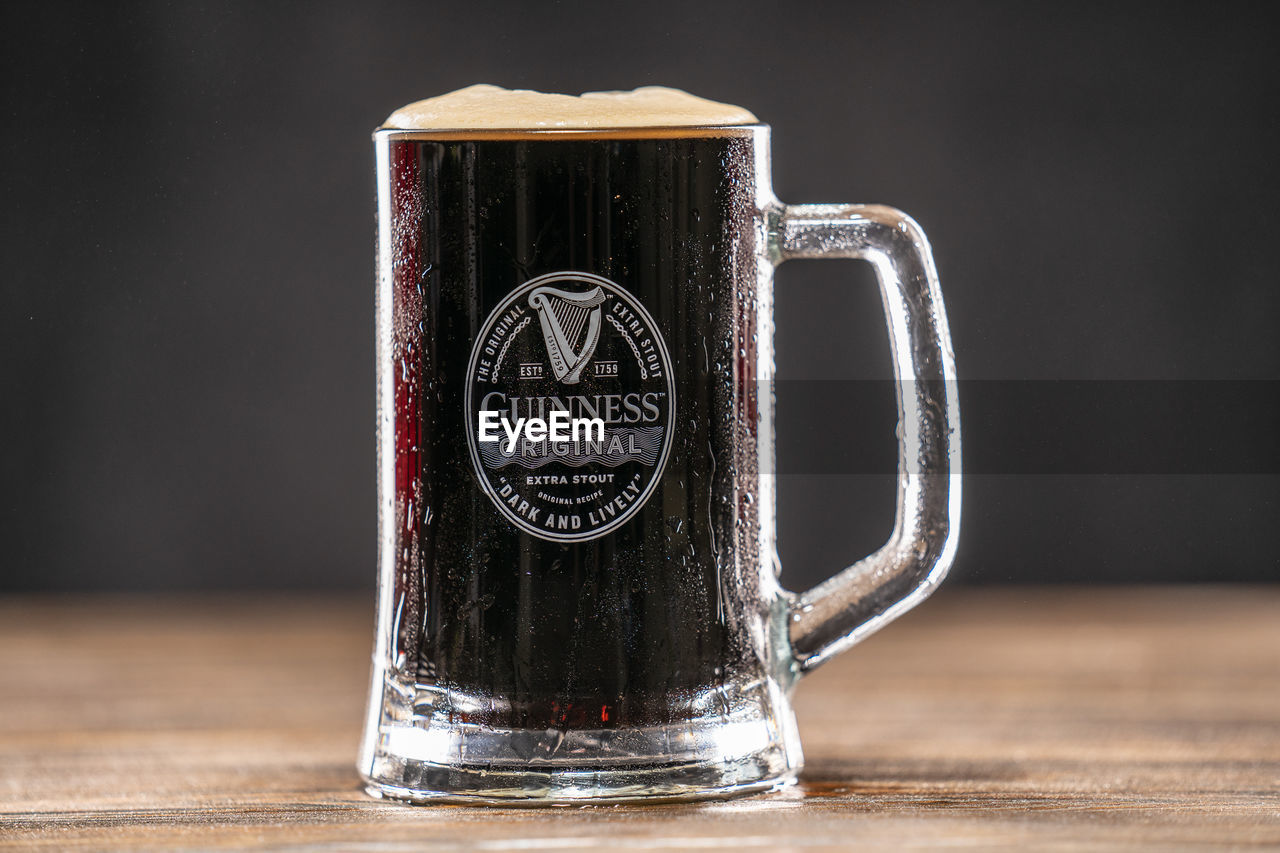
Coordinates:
(575,605)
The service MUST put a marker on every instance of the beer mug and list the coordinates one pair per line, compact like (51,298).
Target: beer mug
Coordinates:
(579,595)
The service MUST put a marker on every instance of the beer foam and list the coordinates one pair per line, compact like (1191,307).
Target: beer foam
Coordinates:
(484,107)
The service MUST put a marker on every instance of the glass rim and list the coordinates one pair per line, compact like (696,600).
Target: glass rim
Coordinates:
(638,132)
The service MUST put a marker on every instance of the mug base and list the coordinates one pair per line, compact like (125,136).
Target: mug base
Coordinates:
(514,789)
(748,745)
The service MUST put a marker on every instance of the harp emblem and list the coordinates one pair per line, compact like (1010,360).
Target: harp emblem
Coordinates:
(570,328)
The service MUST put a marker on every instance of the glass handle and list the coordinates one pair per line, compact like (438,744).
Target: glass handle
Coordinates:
(841,611)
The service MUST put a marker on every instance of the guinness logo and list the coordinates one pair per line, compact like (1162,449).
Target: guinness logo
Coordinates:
(599,362)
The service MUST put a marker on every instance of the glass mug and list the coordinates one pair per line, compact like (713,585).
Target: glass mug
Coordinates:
(596,615)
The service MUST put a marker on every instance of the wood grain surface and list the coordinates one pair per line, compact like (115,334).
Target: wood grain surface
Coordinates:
(1135,718)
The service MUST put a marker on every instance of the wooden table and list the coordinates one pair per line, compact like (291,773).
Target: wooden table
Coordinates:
(1044,718)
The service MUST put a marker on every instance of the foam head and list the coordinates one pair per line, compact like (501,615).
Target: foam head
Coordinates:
(483,107)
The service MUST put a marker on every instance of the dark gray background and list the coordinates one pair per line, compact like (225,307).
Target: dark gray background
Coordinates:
(188,250)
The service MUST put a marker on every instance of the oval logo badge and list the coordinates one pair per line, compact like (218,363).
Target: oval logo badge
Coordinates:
(570,404)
